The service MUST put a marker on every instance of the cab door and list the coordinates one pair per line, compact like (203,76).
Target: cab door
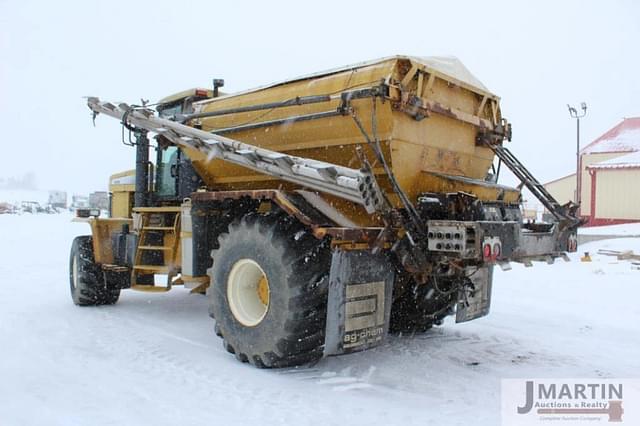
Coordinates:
(176,177)
(166,188)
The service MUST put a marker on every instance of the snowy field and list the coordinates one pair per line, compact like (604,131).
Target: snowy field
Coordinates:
(622,230)
(154,359)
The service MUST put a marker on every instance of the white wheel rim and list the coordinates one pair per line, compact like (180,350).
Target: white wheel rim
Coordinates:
(75,272)
(242,292)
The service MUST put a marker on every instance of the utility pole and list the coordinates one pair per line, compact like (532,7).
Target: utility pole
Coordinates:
(578,115)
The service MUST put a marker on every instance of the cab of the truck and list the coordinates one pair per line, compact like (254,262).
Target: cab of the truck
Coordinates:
(172,176)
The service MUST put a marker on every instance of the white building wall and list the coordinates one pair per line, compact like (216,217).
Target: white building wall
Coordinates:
(585,188)
(563,189)
(618,194)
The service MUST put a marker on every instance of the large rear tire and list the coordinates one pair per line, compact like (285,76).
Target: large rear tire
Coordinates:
(86,280)
(421,306)
(269,291)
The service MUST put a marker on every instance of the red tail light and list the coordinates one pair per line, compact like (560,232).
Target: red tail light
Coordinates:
(486,251)
(491,249)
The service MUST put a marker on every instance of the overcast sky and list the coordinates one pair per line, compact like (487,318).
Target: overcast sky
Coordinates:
(537,56)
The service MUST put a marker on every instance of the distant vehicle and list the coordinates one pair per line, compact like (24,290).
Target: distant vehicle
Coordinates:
(31,207)
(58,199)
(79,202)
(530,214)
(6,208)
(51,209)
(99,200)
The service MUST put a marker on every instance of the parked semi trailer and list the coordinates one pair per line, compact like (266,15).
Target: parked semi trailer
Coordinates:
(320,213)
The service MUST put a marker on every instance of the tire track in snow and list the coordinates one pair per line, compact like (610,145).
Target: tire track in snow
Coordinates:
(167,362)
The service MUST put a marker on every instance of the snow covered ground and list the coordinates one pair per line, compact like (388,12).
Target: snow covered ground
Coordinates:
(622,230)
(154,359)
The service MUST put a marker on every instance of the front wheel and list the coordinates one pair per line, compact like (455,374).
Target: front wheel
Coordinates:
(86,280)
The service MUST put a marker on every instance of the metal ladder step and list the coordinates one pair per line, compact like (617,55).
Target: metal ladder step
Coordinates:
(152,248)
(146,245)
(158,228)
(152,269)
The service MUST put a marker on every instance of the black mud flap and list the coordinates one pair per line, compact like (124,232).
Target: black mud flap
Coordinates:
(359,305)
(475,302)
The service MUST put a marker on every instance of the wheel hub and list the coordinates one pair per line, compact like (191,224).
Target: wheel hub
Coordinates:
(263,290)
(248,292)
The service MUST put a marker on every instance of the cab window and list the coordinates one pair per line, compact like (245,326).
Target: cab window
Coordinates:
(170,110)
(166,174)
